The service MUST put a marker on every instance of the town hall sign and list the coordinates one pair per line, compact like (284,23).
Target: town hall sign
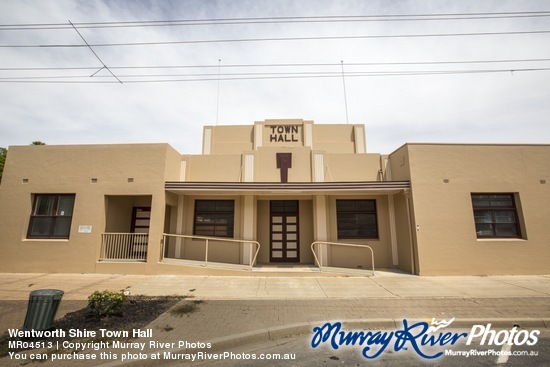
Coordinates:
(284,133)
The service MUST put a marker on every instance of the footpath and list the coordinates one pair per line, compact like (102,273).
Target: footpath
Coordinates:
(234,311)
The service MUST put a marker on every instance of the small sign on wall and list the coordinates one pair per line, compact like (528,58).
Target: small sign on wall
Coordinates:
(84,228)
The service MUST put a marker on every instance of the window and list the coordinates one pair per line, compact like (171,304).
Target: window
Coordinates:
(214,218)
(495,216)
(356,219)
(51,216)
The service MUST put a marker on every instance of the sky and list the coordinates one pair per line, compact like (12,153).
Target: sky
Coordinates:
(357,62)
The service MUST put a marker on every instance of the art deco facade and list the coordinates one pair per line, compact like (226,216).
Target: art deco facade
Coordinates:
(276,193)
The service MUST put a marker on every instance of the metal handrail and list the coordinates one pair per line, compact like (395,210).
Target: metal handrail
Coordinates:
(339,244)
(124,246)
(207,238)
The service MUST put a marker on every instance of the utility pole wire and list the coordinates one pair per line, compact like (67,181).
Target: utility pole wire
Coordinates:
(279,65)
(345,96)
(284,75)
(97,72)
(218,97)
(31,79)
(282,39)
(91,49)
(265,20)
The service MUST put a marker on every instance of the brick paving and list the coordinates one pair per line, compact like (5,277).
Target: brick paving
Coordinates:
(232,317)
(226,310)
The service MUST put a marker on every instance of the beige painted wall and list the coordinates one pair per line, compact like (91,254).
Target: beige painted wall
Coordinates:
(69,169)
(352,257)
(194,249)
(334,138)
(118,209)
(399,164)
(352,167)
(403,233)
(266,170)
(306,231)
(232,139)
(238,138)
(446,237)
(263,229)
(226,146)
(214,168)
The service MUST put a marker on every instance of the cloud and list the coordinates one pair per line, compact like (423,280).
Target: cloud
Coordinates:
(499,107)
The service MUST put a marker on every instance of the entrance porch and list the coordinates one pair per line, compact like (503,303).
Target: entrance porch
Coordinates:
(261,225)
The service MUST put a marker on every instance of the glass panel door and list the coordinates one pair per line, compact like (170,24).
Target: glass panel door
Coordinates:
(284,231)
(141,217)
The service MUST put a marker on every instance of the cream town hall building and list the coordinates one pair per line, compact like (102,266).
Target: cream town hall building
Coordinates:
(278,194)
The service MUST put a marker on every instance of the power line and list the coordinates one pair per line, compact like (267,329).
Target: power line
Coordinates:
(218,95)
(97,57)
(283,65)
(277,20)
(345,95)
(317,38)
(255,74)
(262,76)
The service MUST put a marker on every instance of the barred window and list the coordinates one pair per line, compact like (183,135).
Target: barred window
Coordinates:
(214,218)
(495,216)
(356,219)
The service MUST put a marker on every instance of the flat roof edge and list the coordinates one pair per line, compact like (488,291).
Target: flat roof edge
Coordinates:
(277,186)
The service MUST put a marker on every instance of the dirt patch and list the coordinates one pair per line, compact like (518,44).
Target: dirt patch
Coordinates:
(137,312)
(185,308)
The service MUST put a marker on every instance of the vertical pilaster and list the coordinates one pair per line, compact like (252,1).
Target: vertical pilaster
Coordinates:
(183,170)
(360,141)
(249,215)
(258,135)
(393,231)
(179,226)
(207,140)
(320,227)
(318,167)
(307,133)
(248,167)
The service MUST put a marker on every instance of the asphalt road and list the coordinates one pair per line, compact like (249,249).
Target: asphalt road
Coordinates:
(325,356)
